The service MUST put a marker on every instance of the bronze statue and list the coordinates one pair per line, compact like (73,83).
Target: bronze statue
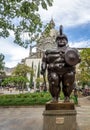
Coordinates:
(60,64)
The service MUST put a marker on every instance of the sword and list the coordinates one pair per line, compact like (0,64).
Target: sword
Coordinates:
(44,83)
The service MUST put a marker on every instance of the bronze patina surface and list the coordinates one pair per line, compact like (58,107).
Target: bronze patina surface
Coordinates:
(60,64)
(59,106)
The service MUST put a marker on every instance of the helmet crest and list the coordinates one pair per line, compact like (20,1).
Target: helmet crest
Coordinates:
(61,35)
(61,29)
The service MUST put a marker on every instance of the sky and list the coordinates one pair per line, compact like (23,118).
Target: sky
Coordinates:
(74,15)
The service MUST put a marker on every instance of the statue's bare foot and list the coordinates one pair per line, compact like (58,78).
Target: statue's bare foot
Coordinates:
(67,99)
(54,99)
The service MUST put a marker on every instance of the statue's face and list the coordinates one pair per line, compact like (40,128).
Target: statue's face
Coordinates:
(61,42)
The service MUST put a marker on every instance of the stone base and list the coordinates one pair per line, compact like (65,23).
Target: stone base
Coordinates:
(61,117)
(59,106)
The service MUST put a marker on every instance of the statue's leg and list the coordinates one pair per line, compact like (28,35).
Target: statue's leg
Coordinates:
(54,85)
(67,82)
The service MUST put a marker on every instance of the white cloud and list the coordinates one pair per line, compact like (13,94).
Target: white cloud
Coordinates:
(67,12)
(81,44)
(11,33)
(14,53)
(11,64)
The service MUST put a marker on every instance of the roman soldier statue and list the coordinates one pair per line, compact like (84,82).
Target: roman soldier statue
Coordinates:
(60,64)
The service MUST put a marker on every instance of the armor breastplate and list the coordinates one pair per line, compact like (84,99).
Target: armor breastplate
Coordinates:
(56,60)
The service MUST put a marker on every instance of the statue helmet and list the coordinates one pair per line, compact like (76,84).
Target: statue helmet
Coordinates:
(61,36)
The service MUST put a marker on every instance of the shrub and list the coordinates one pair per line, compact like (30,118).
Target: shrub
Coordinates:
(37,98)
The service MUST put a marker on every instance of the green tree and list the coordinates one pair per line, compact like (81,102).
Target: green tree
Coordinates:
(21,16)
(17,81)
(85,66)
(21,70)
(7,81)
(1,61)
(2,73)
(20,81)
(38,76)
(31,76)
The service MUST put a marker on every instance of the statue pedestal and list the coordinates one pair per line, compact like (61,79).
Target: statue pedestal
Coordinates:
(59,116)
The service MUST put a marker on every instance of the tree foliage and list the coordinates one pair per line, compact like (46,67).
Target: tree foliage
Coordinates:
(22,70)
(16,81)
(21,16)
(1,61)
(2,74)
(85,65)
(38,76)
(31,76)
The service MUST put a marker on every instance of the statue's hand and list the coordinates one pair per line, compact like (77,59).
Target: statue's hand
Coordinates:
(42,72)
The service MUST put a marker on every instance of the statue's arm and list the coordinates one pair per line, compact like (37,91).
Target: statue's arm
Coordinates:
(44,64)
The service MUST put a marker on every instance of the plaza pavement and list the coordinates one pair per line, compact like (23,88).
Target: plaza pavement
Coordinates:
(31,118)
